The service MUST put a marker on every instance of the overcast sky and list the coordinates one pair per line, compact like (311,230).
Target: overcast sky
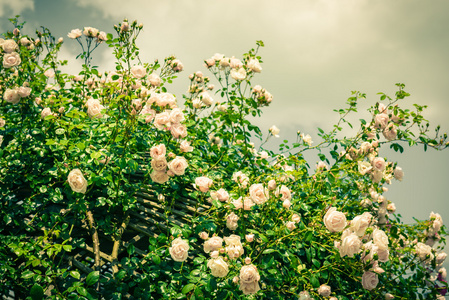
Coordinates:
(316,53)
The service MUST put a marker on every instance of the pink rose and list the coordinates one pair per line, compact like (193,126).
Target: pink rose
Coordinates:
(178,131)
(178,165)
(334,220)
(390,132)
(203,183)
(213,244)
(185,146)
(158,152)
(379,164)
(162,120)
(381,121)
(369,280)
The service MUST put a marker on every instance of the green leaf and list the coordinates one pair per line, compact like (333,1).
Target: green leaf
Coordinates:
(75,274)
(82,291)
(156,259)
(27,274)
(92,278)
(188,288)
(314,281)
(37,292)
(266,251)
(67,248)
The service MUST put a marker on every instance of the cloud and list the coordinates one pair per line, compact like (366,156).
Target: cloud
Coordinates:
(16,7)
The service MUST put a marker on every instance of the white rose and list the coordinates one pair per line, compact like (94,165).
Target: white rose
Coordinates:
(213,244)
(364,167)
(379,164)
(9,46)
(158,152)
(176,115)
(324,290)
(258,193)
(75,33)
(254,65)
(290,225)
(398,173)
(12,96)
(383,255)
(94,108)
(238,74)
(203,183)
(234,247)
(24,91)
(154,79)
(370,250)
(232,221)
(284,192)
(77,181)
(138,71)
(380,239)
(274,131)
(424,251)
(218,267)
(369,280)
(178,131)
(11,60)
(179,249)
(221,195)
(334,220)
(235,63)
(441,257)
(178,165)
(360,223)
(159,177)
(249,288)
(90,32)
(307,139)
(206,98)
(350,245)
(185,146)
(45,112)
(159,165)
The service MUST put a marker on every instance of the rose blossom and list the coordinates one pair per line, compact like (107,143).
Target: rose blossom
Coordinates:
(138,71)
(206,98)
(235,63)
(307,139)
(296,218)
(398,173)
(390,132)
(238,74)
(185,146)
(11,60)
(221,195)
(370,250)
(424,251)
(11,96)
(274,131)
(75,33)
(258,193)
(178,165)
(369,280)
(334,220)
(176,115)
(364,167)
(441,257)
(272,185)
(290,225)
(159,177)
(218,267)
(2,122)
(381,121)
(377,176)
(178,131)
(213,244)
(286,204)
(249,237)
(203,235)
(77,181)
(350,245)
(324,290)
(234,247)
(159,165)
(383,255)
(254,65)
(203,183)
(45,112)
(162,120)
(94,108)
(9,46)
(437,221)
(379,164)
(24,91)
(158,152)
(284,192)
(90,32)
(360,223)
(380,239)
(240,178)
(179,249)
(154,79)
(249,279)
(232,221)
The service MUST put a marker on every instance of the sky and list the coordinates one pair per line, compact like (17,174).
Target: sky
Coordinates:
(316,52)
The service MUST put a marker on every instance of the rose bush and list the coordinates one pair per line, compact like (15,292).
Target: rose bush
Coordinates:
(77,152)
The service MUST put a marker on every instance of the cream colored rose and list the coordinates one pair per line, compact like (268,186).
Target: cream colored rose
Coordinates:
(350,245)
(360,223)
(254,65)
(324,290)
(240,178)
(213,244)
(290,225)
(2,122)
(234,247)
(159,165)
(11,60)
(206,98)
(138,71)
(176,116)
(441,257)
(390,132)
(11,96)
(203,183)
(179,249)
(24,91)
(381,121)
(274,131)
(424,252)
(238,74)
(379,164)
(178,165)
(10,46)
(77,181)
(158,152)
(178,131)
(249,279)
(94,108)
(307,139)
(284,192)
(235,63)
(334,220)
(398,173)
(369,280)
(221,195)
(154,79)
(380,239)
(75,33)
(159,177)
(377,176)
(369,250)
(162,120)
(45,112)
(1,140)
(90,32)
(232,221)
(383,255)
(247,203)
(258,193)
(185,146)
(218,267)
(364,167)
